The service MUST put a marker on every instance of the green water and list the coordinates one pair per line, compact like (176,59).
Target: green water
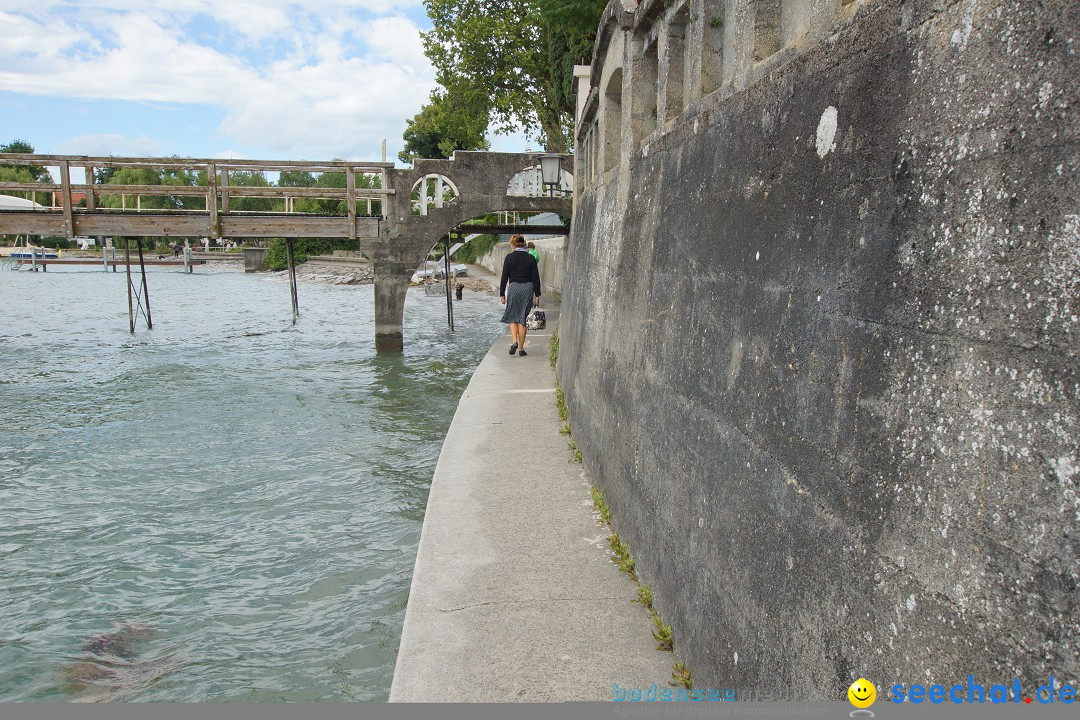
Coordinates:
(233,502)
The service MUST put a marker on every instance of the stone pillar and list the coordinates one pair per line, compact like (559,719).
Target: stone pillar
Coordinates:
(582,75)
(391,283)
(255,259)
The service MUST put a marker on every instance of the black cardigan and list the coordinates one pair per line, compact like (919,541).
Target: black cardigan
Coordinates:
(520,267)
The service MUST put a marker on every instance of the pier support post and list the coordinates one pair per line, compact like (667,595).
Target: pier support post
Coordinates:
(292,279)
(145,288)
(446,276)
(127,266)
(391,284)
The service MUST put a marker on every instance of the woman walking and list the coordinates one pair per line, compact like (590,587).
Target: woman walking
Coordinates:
(519,289)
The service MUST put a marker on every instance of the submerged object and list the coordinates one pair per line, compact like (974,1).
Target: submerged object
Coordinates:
(110,669)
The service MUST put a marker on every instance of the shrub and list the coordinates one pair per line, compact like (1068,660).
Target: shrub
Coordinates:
(59,243)
(276,259)
(476,248)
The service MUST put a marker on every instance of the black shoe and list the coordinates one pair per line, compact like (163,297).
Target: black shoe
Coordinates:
(522,353)
(513,349)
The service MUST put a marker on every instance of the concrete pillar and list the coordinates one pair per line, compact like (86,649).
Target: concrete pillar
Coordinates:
(255,259)
(391,284)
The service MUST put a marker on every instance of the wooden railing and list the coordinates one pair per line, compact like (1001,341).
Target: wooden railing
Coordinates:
(217,192)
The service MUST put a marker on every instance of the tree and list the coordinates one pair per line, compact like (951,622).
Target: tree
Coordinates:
(518,53)
(452,120)
(103,175)
(149,176)
(245,178)
(327,206)
(24,173)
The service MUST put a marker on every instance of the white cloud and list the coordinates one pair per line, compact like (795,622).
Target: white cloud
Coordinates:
(374,7)
(111,144)
(346,73)
(396,39)
(229,155)
(257,22)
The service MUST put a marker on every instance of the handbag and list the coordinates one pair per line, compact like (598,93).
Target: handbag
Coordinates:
(536,320)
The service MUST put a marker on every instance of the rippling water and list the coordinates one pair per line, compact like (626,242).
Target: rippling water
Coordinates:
(236,500)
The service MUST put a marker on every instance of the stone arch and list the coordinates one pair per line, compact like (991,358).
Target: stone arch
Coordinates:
(768,30)
(528,182)
(612,119)
(483,182)
(714,24)
(644,93)
(432,190)
(673,64)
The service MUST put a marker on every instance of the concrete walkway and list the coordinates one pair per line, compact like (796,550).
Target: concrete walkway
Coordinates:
(514,597)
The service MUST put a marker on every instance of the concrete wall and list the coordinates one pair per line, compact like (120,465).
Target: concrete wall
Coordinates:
(552,262)
(255,260)
(819,338)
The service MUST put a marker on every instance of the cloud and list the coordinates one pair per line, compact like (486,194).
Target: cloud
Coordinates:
(305,80)
(101,144)
(256,22)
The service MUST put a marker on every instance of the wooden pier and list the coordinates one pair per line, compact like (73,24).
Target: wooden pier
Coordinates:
(398,214)
(43,263)
(214,215)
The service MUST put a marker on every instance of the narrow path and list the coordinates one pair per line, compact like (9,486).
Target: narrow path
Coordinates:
(514,597)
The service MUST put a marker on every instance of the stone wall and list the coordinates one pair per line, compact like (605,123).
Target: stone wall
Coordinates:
(552,263)
(819,337)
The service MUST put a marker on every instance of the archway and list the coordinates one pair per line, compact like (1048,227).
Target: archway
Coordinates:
(435,197)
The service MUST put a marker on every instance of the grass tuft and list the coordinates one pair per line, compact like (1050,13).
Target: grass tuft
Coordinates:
(621,555)
(682,676)
(662,633)
(620,552)
(601,505)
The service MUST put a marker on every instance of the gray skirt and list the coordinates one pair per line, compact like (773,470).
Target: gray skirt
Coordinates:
(519,301)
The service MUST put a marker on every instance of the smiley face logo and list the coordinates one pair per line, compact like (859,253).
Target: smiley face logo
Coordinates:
(862,693)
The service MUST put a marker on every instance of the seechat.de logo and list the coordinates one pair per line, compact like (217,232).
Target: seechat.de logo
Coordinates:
(862,695)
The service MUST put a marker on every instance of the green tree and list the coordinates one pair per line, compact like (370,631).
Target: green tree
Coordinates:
(327,206)
(24,173)
(277,259)
(245,178)
(103,176)
(296,178)
(150,176)
(451,120)
(518,53)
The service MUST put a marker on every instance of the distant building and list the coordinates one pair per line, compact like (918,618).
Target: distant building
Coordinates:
(76,198)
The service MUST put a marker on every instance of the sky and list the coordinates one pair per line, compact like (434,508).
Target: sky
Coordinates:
(255,79)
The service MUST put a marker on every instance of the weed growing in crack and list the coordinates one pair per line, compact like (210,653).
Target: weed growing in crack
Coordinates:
(662,633)
(682,675)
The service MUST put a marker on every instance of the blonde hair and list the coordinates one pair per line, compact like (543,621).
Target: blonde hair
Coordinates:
(517,241)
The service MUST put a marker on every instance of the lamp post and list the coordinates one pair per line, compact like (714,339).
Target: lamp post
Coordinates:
(551,171)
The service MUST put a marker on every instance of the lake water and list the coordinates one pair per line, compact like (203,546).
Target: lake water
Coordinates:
(225,508)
